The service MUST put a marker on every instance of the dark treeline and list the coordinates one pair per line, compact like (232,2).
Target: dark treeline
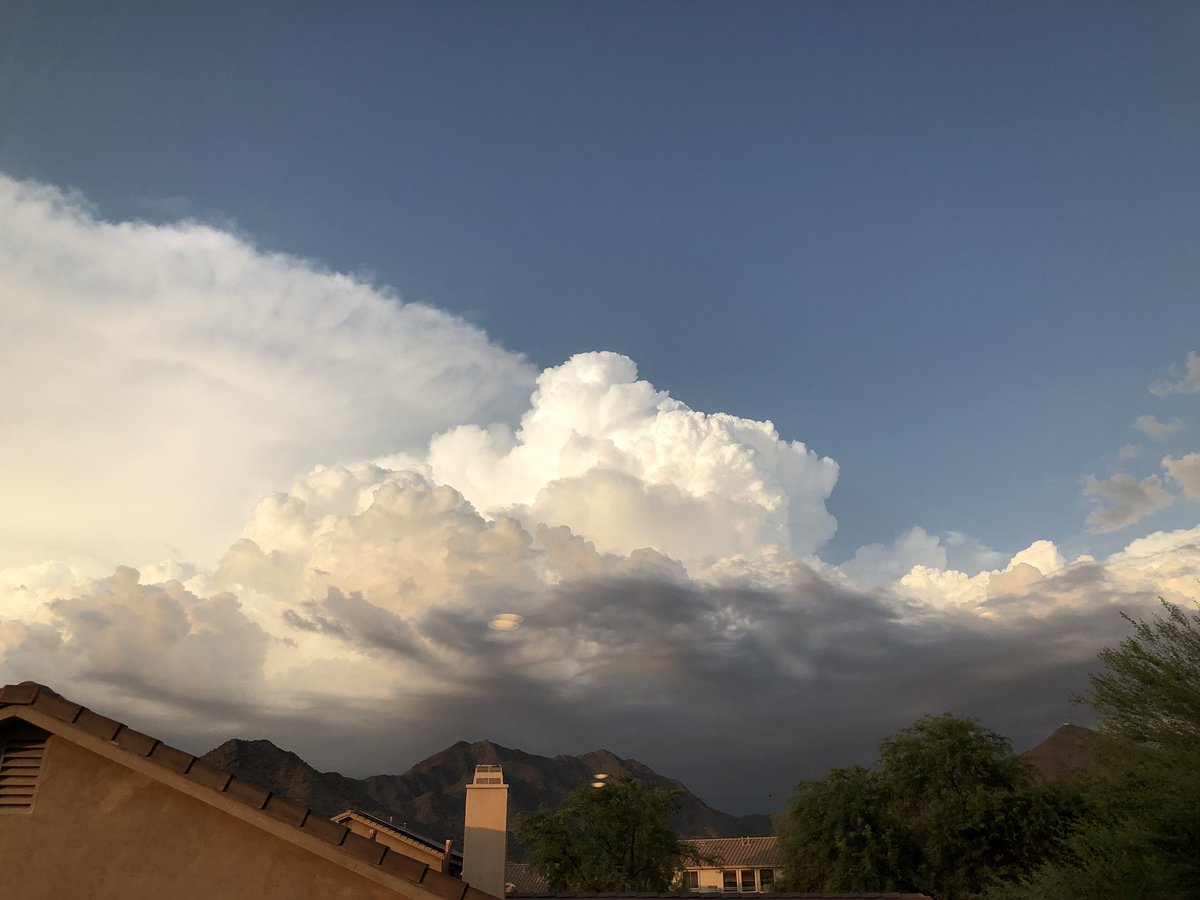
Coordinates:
(948,810)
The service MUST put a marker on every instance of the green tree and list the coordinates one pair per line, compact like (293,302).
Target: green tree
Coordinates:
(949,811)
(838,835)
(1150,692)
(1140,836)
(614,838)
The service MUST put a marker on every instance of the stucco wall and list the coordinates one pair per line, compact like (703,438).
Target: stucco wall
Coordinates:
(100,830)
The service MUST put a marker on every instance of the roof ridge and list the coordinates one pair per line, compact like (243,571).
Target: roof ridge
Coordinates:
(53,704)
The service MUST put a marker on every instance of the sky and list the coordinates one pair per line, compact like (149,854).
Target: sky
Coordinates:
(790,370)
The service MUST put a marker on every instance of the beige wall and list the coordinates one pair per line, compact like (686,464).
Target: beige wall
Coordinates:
(100,830)
(714,879)
(485,836)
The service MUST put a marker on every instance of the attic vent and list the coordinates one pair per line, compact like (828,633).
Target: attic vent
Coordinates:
(20,765)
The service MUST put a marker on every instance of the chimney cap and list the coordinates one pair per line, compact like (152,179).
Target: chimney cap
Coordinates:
(488,774)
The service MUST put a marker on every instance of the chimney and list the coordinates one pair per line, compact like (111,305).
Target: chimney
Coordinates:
(486,831)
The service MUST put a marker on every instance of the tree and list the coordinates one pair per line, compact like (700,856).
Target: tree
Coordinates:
(613,838)
(969,812)
(949,810)
(1150,693)
(838,835)
(1139,838)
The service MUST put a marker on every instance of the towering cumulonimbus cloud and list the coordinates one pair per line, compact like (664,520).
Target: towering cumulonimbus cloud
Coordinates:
(358,486)
(627,466)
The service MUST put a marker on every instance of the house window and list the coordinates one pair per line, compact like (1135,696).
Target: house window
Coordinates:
(766,878)
(729,881)
(748,886)
(20,764)
(691,879)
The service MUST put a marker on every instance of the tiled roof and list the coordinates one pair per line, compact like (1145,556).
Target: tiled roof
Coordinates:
(523,879)
(70,718)
(733,853)
(405,834)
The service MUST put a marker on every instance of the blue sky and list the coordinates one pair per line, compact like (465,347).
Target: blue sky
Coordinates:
(947,245)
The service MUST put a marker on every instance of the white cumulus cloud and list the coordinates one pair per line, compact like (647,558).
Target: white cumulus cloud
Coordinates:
(160,378)
(627,466)
(335,454)
(1186,471)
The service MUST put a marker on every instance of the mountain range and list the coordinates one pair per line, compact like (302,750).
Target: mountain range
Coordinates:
(430,797)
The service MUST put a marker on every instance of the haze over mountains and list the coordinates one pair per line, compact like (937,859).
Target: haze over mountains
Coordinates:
(429,797)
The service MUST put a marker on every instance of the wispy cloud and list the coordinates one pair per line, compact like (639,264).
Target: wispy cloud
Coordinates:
(1187,382)
(1122,500)
(1155,429)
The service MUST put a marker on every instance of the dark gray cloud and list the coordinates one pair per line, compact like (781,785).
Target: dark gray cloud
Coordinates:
(739,692)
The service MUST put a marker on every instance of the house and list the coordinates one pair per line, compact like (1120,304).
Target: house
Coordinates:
(732,865)
(744,865)
(400,839)
(485,834)
(91,807)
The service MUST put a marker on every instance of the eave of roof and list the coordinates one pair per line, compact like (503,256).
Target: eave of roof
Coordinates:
(736,852)
(399,831)
(39,705)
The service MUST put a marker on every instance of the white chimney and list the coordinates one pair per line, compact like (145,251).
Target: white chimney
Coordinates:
(486,831)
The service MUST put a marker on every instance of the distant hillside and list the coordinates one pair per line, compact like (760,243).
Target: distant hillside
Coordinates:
(1068,751)
(430,796)
(283,772)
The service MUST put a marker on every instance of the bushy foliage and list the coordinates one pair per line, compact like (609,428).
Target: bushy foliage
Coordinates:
(614,838)
(948,811)
(838,834)
(1140,836)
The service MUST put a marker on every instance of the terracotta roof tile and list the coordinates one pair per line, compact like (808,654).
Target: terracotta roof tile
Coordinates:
(325,829)
(249,793)
(444,885)
(364,848)
(737,852)
(286,811)
(404,866)
(405,834)
(523,879)
(397,865)
(60,707)
(22,694)
(101,726)
(135,741)
(209,776)
(169,757)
